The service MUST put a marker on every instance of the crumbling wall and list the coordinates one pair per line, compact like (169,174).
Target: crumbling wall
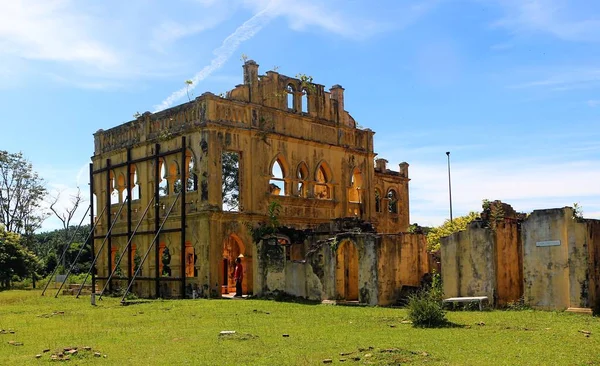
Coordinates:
(402,260)
(368,271)
(468,262)
(560,260)
(509,262)
(593,240)
(546,259)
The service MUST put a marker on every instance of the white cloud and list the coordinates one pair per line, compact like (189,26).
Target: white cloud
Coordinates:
(51,30)
(222,54)
(594,103)
(560,18)
(563,79)
(524,184)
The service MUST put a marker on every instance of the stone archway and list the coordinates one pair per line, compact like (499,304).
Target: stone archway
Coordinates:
(346,271)
(233,247)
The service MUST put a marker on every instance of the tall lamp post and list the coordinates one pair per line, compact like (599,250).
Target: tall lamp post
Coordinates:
(449,185)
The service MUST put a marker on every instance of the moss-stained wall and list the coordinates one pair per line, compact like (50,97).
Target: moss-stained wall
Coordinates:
(593,238)
(385,263)
(551,258)
(560,260)
(509,261)
(468,262)
(546,267)
(402,260)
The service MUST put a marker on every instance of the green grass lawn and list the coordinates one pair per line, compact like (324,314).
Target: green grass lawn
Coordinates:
(179,332)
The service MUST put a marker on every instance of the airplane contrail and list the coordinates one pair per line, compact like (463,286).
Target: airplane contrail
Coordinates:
(243,33)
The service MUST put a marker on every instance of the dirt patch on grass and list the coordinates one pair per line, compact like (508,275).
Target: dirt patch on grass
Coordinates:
(384,356)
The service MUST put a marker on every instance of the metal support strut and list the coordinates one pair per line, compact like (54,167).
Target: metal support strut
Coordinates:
(149,249)
(100,249)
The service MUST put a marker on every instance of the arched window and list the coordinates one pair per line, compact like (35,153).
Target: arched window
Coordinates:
(392,201)
(114,193)
(163,184)
(377,200)
(355,187)
(277,182)
(302,175)
(290,97)
(192,177)
(175,177)
(135,187)
(304,101)
(322,178)
(95,204)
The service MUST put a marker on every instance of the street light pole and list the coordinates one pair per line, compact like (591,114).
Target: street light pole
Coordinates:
(449,185)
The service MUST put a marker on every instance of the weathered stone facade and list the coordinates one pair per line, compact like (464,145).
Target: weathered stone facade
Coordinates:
(202,174)
(549,259)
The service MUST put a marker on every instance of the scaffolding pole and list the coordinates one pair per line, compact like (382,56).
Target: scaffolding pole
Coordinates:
(101,247)
(76,258)
(125,250)
(149,249)
(65,251)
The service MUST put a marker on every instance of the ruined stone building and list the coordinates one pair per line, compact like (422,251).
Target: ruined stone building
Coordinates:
(180,194)
(549,259)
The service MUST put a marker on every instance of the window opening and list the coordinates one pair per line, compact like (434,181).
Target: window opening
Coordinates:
(322,190)
(304,101)
(355,186)
(302,174)
(230,187)
(114,193)
(163,184)
(276,183)
(192,177)
(392,201)
(290,97)
(135,189)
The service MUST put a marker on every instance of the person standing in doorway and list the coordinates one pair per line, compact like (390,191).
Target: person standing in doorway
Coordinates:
(238,276)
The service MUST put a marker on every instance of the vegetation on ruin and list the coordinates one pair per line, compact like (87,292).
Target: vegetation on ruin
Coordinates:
(187,331)
(447,228)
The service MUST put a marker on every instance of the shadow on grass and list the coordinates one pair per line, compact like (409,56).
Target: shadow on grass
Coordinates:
(284,297)
(137,302)
(447,324)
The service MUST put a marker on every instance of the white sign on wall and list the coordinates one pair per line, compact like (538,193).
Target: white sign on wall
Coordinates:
(548,243)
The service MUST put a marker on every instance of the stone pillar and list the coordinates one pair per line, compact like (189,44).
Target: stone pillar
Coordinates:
(404,169)
(380,164)
(251,78)
(337,94)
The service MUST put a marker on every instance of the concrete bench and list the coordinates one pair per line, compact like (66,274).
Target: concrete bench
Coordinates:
(479,299)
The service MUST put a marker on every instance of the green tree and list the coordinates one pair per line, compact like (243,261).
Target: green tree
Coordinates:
(52,243)
(21,193)
(231,185)
(447,228)
(16,261)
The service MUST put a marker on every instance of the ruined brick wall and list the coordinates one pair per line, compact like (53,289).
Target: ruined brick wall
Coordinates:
(593,239)
(546,259)
(509,261)
(402,260)
(560,257)
(468,262)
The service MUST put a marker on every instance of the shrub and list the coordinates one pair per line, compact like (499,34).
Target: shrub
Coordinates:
(425,310)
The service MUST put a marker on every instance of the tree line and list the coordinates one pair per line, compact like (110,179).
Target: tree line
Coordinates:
(25,254)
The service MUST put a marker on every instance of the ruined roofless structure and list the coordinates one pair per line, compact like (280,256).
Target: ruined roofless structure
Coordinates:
(200,175)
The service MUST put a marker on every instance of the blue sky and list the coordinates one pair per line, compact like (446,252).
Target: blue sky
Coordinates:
(510,87)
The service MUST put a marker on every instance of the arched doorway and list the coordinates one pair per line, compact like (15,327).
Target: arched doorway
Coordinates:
(233,247)
(346,271)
